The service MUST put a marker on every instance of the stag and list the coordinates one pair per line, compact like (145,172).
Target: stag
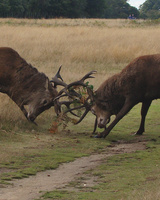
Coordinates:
(25,85)
(137,83)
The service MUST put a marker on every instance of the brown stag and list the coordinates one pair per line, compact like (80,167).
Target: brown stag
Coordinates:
(25,85)
(137,82)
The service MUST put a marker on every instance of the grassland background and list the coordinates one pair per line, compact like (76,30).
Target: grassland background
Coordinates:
(80,46)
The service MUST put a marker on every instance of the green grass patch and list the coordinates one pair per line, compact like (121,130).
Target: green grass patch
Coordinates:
(26,153)
(126,176)
(27,149)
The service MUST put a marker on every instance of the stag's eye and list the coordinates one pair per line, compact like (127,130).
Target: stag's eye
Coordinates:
(93,111)
(45,102)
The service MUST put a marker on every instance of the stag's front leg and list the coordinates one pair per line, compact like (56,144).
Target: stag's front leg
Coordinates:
(125,109)
(101,135)
(95,126)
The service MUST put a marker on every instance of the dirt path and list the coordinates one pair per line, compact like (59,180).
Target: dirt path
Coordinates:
(29,188)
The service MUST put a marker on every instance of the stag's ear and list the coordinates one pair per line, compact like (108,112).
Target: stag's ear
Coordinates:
(91,94)
(47,84)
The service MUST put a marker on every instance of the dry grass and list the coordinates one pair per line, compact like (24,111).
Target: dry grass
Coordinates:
(79,45)
(71,22)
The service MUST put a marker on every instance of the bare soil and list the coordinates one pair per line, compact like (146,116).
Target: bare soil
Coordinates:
(33,187)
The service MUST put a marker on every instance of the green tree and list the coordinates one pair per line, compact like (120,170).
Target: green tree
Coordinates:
(96,8)
(119,9)
(150,9)
(16,8)
(68,8)
(39,8)
(76,8)
(4,8)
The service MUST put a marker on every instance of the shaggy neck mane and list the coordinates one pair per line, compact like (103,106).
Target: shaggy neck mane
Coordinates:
(29,77)
(109,89)
(109,94)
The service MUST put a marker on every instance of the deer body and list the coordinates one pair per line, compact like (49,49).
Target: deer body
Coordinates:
(138,82)
(24,84)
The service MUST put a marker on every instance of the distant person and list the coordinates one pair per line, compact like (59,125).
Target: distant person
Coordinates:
(131,16)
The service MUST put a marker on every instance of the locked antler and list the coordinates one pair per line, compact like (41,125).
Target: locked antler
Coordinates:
(69,91)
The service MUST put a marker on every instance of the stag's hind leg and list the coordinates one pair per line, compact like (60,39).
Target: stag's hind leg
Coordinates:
(144,110)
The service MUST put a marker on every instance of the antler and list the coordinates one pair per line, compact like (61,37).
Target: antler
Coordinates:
(69,91)
(81,81)
(67,104)
(57,79)
(85,105)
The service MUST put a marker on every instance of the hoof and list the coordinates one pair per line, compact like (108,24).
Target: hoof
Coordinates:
(136,134)
(133,133)
(34,123)
(98,136)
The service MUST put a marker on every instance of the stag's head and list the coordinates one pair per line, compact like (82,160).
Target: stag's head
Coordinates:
(44,98)
(99,109)
(102,115)
(91,103)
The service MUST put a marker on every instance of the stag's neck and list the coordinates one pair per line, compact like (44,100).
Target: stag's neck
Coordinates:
(110,88)
(110,95)
(28,80)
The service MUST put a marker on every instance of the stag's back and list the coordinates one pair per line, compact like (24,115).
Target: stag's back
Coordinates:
(140,80)
(142,77)
(10,63)
(14,70)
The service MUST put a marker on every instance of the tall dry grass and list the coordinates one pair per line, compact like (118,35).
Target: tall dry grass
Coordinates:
(79,45)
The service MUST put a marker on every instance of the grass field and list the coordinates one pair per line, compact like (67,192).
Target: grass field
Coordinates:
(80,46)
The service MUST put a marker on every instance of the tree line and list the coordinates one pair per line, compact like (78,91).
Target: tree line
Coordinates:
(150,9)
(75,8)
(66,8)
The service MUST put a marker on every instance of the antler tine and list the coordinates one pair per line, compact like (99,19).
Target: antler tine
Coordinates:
(67,104)
(70,94)
(58,73)
(83,116)
(60,96)
(87,107)
(71,109)
(57,79)
(81,81)
(89,75)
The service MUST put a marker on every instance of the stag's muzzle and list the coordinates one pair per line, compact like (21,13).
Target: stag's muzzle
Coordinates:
(31,117)
(102,122)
